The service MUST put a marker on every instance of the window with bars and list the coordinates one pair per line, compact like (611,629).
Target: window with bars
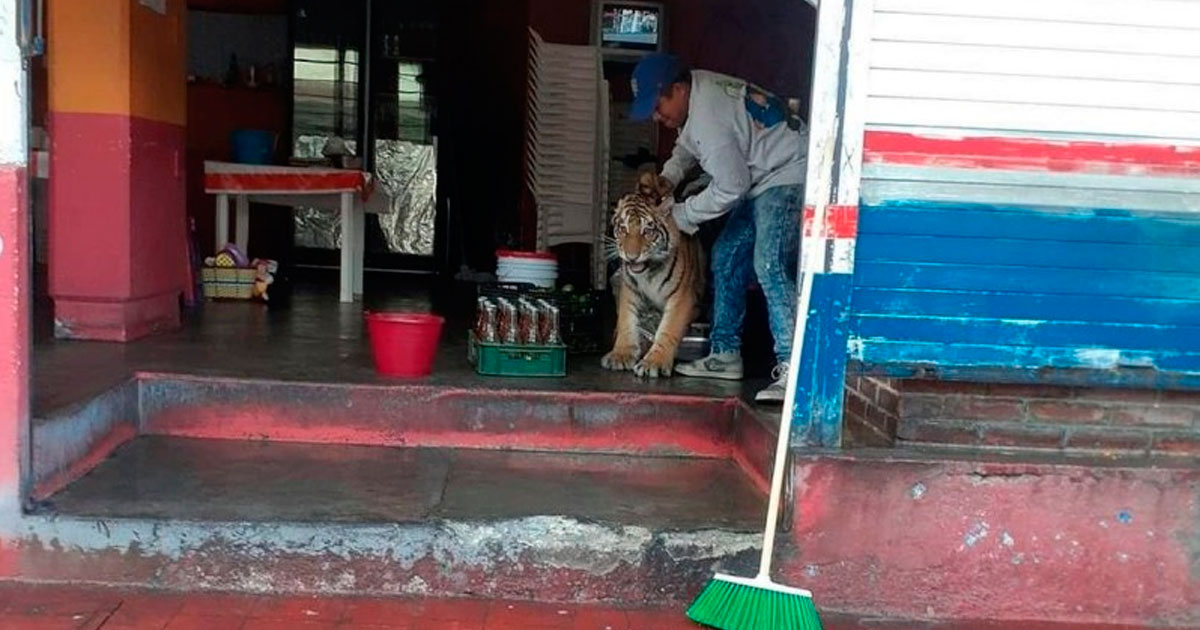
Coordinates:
(325,99)
(400,103)
(413,116)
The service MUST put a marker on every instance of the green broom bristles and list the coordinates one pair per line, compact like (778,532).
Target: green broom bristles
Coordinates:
(732,603)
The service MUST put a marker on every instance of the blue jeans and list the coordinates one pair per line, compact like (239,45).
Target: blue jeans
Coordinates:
(761,237)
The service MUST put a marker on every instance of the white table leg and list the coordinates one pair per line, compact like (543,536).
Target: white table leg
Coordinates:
(348,248)
(360,247)
(242,237)
(222,222)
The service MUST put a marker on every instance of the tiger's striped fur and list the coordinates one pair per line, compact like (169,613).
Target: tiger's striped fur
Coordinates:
(660,283)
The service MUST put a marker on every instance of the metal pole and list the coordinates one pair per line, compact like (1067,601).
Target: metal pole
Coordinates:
(367,151)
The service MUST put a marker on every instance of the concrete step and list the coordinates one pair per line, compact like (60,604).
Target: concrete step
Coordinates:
(69,441)
(424,415)
(226,480)
(267,516)
(910,533)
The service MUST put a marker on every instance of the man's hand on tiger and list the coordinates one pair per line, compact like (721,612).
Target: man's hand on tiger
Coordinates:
(655,186)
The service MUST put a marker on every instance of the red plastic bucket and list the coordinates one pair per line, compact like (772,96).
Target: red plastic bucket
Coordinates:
(404,344)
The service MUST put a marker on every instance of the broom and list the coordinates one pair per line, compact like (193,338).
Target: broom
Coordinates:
(736,603)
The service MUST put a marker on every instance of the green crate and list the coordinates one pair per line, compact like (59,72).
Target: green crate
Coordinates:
(498,359)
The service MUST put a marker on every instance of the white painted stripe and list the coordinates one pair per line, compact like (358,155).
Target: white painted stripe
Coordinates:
(1167,13)
(822,138)
(1058,70)
(842,259)
(1129,183)
(968,86)
(1035,62)
(1104,70)
(13,122)
(981,31)
(880,191)
(824,126)
(854,110)
(944,113)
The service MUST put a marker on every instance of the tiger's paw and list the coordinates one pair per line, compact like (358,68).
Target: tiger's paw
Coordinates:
(654,365)
(620,359)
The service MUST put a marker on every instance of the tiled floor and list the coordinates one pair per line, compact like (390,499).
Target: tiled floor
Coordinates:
(313,339)
(29,607)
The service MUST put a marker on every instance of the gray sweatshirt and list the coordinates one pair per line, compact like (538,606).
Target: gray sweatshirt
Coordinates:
(739,136)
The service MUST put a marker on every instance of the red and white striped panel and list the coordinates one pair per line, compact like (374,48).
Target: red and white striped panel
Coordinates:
(834,251)
(231,178)
(1076,103)
(1029,171)
(1032,154)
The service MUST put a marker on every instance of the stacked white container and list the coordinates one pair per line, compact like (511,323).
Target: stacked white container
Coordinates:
(537,268)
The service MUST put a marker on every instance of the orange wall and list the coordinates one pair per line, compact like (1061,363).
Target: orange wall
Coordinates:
(118,57)
(88,56)
(158,63)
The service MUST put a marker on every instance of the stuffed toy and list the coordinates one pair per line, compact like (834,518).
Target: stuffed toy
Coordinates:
(264,275)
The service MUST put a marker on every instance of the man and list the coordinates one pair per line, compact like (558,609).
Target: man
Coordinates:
(754,152)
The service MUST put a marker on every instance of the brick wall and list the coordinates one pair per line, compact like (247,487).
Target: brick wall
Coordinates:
(872,410)
(1047,417)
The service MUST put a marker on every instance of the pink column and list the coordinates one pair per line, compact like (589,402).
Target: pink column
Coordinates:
(14,275)
(117,96)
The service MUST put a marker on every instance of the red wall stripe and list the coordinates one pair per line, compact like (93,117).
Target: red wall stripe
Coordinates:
(840,221)
(1030,154)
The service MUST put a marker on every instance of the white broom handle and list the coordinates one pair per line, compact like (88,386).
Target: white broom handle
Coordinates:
(789,398)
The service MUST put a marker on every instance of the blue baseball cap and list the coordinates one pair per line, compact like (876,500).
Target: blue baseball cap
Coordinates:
(651,76)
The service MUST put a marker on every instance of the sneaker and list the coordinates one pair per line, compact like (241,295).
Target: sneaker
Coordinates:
(775,392)
(723,365)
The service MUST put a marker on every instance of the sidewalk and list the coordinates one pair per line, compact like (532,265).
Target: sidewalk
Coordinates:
(31,607)
(66,608)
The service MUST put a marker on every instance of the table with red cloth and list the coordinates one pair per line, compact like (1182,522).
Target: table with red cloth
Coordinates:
(294,186)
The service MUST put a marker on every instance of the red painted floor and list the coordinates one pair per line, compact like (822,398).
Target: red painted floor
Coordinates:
(58,608)
(30,607)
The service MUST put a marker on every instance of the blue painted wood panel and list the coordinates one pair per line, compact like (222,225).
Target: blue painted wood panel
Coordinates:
(1047,224)
(949,355)
(1016,305)
(1027,332)
(960,286)
(822,378)
(1081,282)
(1013,252)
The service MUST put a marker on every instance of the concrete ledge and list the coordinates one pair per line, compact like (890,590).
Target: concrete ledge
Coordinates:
(70,442)
(900,533)
(544,558)
(912,535)
(434,416)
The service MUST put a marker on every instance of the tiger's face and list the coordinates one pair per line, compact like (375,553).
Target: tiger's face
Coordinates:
(644,235)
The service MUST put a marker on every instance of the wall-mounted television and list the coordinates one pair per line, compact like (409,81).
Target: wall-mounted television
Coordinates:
(629,27)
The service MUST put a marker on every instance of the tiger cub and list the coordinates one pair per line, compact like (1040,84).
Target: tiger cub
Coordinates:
(660,283)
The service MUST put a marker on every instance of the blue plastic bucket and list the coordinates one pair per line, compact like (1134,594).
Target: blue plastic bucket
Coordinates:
(252,146)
